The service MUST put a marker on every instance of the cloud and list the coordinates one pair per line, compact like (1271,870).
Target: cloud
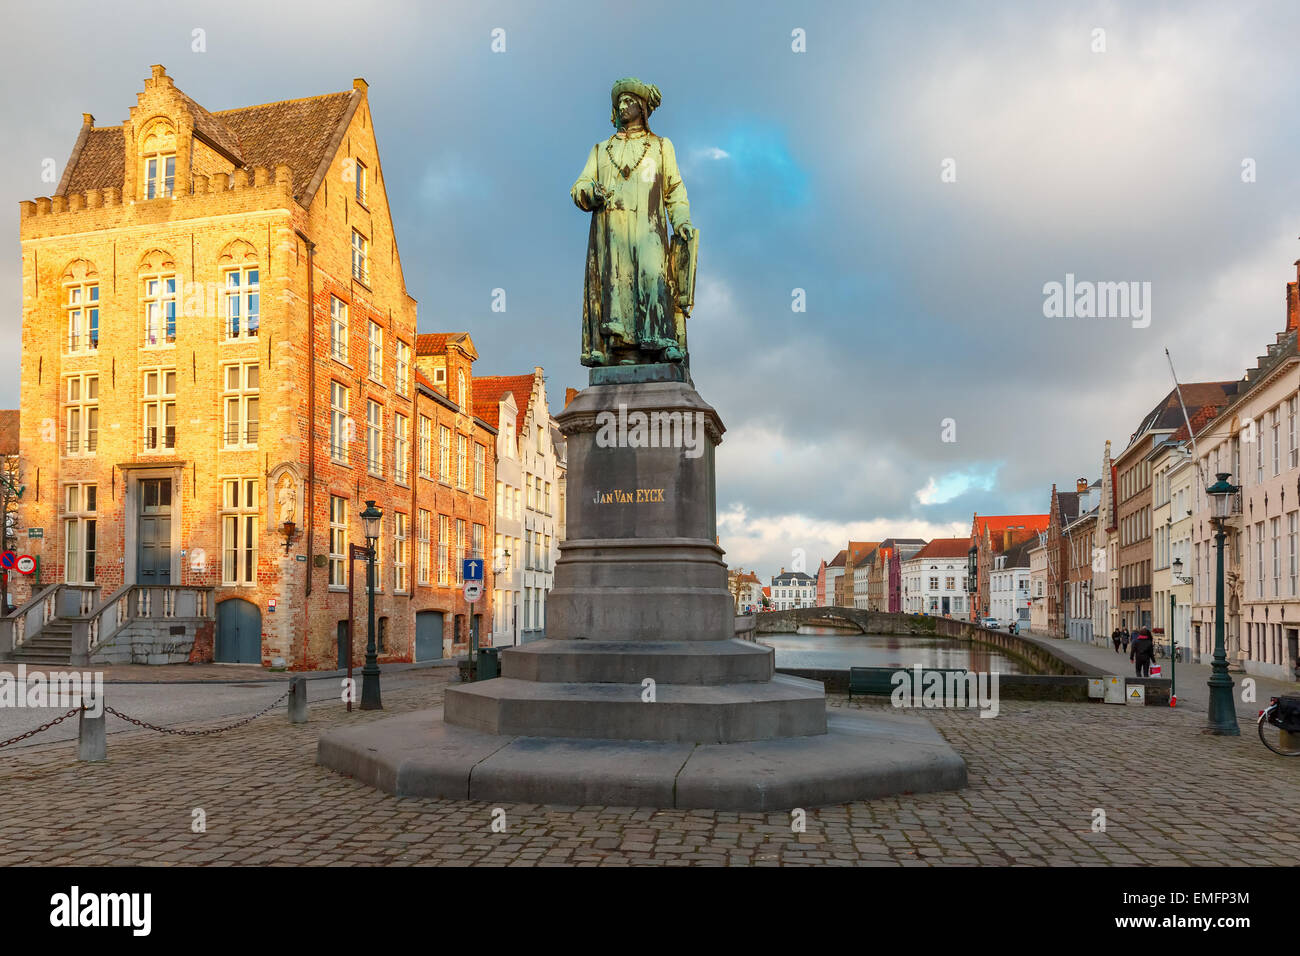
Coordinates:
(956,483)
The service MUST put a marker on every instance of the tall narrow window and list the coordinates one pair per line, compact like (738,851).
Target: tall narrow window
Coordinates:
(402,368)
(480,469)
(241,403)
(1259,559)
(1293,570)
(81,436)
(339,421)
(160,310)
(443,548)
(1275,528)
(444,453)
(239,532)
(401,581)
(79,534)
(159,176)
(243,303)
(160,409)
(375,353)
(1293,452)
(83,317)
(359,169)
(460,551)
(1276,430)
(374,438)
(360,257)
(461,396)
(426,451)
(401,446)
(476,542)
(461,452)
(338,541)
(338,329)
(422,560)
(1259,451)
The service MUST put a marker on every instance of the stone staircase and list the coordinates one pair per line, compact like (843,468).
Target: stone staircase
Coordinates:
(53,645)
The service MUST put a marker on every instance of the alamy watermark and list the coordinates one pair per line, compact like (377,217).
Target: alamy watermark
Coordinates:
(1084,299)
(62,689)
(935,688)
(651,430)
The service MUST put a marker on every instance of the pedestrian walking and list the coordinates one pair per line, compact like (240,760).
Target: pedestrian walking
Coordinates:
(1143,653)
(1124,637)
(1114,639)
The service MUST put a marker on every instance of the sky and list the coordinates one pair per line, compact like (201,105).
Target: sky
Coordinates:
(883,194)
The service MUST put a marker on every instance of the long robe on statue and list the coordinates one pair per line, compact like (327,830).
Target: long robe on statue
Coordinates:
(628,310)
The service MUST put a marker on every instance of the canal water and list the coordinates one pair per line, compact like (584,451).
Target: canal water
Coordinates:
(830,649)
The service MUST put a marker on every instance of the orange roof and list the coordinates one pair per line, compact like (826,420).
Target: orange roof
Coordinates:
(490,389)
(999,523)
(431,343)
(945,548)
(767,591)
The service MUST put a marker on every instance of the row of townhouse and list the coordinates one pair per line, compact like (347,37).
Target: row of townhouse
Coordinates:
(220,367)
(1136,548)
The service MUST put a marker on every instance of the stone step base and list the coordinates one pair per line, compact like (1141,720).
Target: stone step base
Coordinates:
(862,756)
(630,662)
(720,713)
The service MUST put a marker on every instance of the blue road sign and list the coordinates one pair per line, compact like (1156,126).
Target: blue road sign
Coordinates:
(473,569)
(10,558)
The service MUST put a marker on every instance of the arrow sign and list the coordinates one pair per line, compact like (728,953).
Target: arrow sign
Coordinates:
(472,569)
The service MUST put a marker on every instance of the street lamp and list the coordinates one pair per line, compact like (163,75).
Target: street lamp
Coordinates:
(1223,712)
(371,520)
(501,566)
(1178,578)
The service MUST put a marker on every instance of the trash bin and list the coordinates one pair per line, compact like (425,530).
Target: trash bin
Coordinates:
(489,663)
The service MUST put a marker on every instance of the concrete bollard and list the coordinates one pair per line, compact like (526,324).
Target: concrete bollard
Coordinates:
(92,734)
(298,699)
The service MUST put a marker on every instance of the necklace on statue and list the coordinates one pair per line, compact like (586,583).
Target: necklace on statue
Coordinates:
(627,170)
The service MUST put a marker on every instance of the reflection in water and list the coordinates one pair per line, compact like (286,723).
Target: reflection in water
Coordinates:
(833,649)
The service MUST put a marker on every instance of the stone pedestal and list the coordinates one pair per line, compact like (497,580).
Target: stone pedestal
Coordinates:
(640,694)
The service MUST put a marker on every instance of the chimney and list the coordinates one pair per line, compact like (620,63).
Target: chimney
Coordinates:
(1293,300)
(360,84)
(569,395)
(1081,485)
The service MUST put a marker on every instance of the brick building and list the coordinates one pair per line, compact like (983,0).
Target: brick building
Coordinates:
(991,535)
(1063,509)
(218,371)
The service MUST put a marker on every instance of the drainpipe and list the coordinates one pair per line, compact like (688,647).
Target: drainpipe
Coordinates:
(311,431)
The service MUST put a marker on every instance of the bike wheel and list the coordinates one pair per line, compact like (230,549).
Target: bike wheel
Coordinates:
(1271,736)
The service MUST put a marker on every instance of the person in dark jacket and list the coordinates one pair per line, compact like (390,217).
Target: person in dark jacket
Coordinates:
(1114,639)
(1124,637)
(1143,653)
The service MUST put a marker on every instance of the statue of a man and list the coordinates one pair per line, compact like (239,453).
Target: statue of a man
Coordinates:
(287,498)
(633,190)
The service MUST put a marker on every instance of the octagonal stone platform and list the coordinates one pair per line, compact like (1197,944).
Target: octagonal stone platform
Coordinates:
(861,755)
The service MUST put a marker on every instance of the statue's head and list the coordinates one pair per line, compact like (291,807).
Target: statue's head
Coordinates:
(630,99)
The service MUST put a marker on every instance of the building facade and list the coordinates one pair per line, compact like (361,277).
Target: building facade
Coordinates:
(1038,587)
(1009,586)
(934,578)
(791,589)
(218,373)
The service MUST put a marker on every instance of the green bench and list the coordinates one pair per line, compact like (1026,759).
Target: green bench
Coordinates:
(879,681)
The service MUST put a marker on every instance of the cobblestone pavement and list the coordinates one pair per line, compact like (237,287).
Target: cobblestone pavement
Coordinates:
(1038,773)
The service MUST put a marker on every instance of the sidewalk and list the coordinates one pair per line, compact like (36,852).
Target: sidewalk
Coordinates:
(1191,680)
(209,673)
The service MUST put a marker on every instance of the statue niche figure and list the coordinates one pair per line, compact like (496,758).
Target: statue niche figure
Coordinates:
(634,306)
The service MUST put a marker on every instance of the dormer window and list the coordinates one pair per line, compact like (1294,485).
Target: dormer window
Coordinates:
(159,176)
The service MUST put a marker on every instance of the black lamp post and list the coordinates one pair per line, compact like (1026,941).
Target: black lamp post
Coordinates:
(1223,712)
(371,520)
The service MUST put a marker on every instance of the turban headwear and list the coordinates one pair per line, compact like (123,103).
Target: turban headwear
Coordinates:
(648,93)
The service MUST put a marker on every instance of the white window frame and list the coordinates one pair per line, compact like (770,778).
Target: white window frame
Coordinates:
(240,513)
(80,516)
(160,402)
(360,258)
(159,300)
(245,399)
(401,570)
(242,303)
(422,556)
(339,398)
(375,353)
(338,330)
(480,468)
(359,172)
(374,438)
(444,531)
(402,369)
(338,543)
(401,447)
(82,304)
(444,454)
(80,436)
(158,184)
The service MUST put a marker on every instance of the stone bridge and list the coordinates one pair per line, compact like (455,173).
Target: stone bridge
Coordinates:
(849,618)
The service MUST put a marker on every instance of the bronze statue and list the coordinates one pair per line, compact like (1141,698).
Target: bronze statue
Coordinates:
(639,287)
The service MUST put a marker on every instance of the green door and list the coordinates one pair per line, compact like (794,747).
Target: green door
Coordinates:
(239,633)
(428,636)
(154,550)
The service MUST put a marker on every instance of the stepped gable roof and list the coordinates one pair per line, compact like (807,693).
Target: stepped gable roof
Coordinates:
(1067,502)
(944,548)
(490,389)
(303,134)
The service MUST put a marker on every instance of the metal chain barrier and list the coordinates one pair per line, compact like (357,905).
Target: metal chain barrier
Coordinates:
(40,729)
(192,733)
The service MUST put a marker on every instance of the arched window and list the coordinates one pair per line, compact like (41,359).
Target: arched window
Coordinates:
(158,160)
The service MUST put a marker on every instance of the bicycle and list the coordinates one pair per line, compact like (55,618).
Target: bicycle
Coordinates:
(1281,718)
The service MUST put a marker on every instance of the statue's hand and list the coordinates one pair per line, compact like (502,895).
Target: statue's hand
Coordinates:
(685,230)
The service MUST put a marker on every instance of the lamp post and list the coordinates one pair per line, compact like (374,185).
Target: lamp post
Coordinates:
(1223,712)
(371,519)
(501,566)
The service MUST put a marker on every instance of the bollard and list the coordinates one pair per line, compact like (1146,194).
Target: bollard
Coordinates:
(92,736)
(298,699)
